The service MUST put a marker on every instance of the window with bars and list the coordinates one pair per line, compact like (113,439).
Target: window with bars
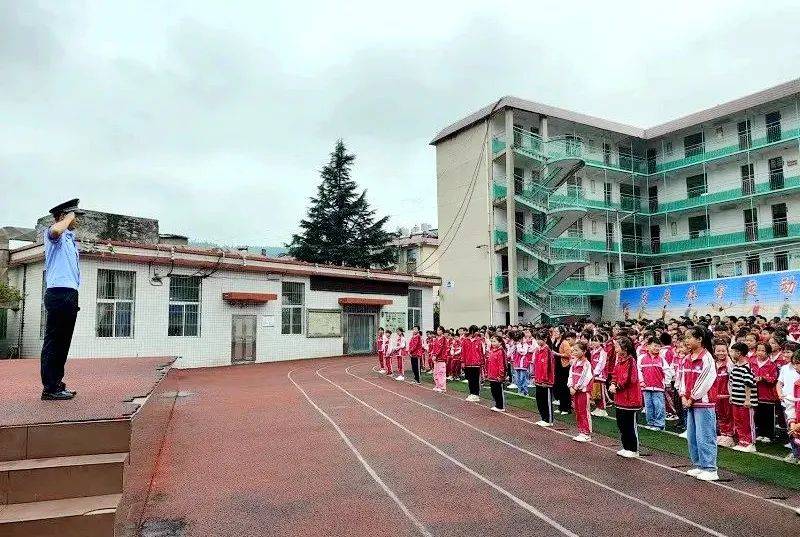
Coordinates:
(116,293)
(184,306)
(696,185)
(414,308)
(292,303)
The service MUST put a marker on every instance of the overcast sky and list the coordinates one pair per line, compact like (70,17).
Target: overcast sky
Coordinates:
(215,119)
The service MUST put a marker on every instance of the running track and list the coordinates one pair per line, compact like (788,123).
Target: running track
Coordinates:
(332,447)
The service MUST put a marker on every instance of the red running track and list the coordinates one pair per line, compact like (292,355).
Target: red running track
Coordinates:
(328,446)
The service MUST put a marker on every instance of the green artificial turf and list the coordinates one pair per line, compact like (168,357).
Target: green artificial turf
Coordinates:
(776,472)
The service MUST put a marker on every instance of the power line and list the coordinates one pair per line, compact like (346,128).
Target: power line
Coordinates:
(465,200)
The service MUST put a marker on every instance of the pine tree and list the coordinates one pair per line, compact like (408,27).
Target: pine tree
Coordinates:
(340,228)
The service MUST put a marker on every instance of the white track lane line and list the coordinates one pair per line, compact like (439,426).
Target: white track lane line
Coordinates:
(414,520)
(519,501)
(507,414)
(547,461)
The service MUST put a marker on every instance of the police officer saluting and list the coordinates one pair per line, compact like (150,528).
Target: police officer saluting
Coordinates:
(63,278)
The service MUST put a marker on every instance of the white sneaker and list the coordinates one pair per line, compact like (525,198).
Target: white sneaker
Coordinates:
(622,452)
(495,409)
(765,440)
(437,389)
(582,438)
(749,448)
(382,371)
(725,441)
(706,475)
(473,398)
(694,472)
(542,423)
(512,386)
(631,454)
(684,434)
(399,377)
(600,412)
(465,381)
(449,378)
(547,424)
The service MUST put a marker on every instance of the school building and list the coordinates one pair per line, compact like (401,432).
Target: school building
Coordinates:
(553,208)
(155,295)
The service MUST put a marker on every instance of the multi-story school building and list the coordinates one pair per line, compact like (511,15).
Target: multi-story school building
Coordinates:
(542,210)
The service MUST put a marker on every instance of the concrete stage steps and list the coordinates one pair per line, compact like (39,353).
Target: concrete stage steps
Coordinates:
(62,479)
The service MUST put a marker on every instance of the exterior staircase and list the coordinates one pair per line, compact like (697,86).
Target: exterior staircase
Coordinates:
(62,479)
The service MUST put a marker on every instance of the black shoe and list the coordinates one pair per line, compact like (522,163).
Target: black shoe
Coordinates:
(62,395)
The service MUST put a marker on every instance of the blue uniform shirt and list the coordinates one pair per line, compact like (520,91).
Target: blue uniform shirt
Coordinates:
(61,265)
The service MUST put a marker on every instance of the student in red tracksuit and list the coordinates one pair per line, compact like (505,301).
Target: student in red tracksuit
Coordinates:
(521,361)
(599,359)
(724,410)
(654,373)
(627,396)
(699,400)
(439,355)
(766,373)
(544,376)
(379,344)
(472,356)
(496,371)
(399,352)
(415,351)
(454,369)
(580,387)
(387,349)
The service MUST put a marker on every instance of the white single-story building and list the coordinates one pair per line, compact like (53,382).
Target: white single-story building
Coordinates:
(211,307)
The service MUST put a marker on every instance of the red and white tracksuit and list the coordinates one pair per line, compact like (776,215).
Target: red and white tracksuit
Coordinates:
(387,360)
(599,360)
(439,352)
(454,364)
(654,372)
(724,409)
(379,345)
(697,379)
(396,352)
(580,379)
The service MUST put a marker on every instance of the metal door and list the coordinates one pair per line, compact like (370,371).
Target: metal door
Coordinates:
(243,339)
(360,333)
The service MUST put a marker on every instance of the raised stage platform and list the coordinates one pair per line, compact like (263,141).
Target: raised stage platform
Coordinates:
(63,463)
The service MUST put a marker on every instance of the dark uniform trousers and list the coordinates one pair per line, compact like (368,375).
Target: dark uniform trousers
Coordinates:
(61,304)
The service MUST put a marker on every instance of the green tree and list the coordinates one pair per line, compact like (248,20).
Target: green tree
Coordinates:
(340,228)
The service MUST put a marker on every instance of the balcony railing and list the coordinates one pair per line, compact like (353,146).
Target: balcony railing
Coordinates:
(577,286)
(715,148)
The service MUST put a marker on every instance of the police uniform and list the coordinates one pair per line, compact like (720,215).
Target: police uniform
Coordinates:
(62,279)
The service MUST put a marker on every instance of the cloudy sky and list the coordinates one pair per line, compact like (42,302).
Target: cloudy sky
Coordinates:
(215,117)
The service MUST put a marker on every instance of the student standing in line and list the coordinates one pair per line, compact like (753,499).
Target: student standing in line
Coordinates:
(721,386)
(744,398)
(379,345)
(580,384)
(544,371)
(472,354)
(520,361)
(627,396)
(496,371)
(439,356)
(655,374)
(388,338)
(560,388)
(599,360)
(766,373)
(788,388)
(415,351)
(400,353)
(699,400)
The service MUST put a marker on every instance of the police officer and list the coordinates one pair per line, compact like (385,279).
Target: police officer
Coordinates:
(62,278)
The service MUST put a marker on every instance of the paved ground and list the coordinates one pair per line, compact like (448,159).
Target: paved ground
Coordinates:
(103,385)
(330,447)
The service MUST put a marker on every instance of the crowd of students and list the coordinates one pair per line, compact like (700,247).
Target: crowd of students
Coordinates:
(726,381)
